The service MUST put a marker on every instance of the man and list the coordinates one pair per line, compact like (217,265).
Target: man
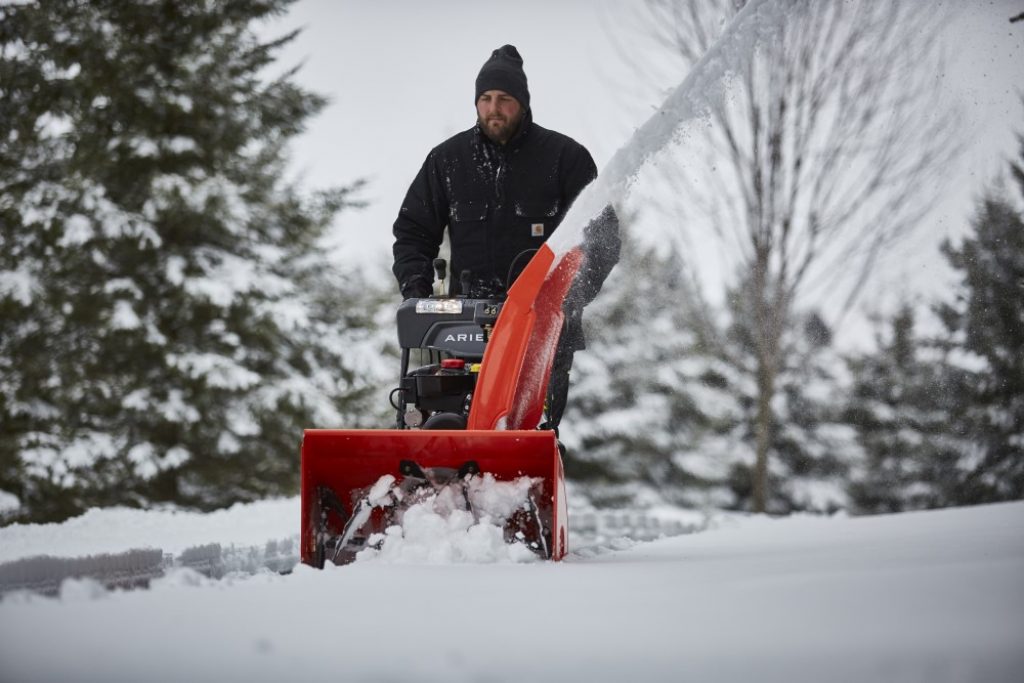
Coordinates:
(501,188)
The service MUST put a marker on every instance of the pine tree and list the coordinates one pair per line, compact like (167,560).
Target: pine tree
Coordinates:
(986,324)
(663,404)
(647,419)
(902,404)
(941,420)
(810,449)
(168,324)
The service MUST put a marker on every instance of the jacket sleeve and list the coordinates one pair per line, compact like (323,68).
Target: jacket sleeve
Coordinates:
(419,230)
(578,170)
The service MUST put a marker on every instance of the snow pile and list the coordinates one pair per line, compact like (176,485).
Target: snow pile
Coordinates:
(440,530)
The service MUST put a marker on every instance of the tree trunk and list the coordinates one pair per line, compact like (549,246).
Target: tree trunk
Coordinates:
(767,330)
(763,429)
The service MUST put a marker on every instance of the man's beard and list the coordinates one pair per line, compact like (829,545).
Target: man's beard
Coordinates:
(499,129)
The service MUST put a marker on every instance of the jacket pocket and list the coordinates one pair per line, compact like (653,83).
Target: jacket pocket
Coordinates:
(466,211)
(537,208)
(536,218)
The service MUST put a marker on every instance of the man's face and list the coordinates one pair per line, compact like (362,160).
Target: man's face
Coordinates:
(499,115)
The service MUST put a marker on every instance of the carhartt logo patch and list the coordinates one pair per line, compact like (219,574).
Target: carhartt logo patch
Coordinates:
(537,229)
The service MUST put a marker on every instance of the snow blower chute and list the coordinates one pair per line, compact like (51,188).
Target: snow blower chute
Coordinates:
(472,410)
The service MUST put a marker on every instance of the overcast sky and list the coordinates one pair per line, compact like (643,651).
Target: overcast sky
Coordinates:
(400,76)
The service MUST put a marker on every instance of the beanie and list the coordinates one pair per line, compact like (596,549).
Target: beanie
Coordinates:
(504,71)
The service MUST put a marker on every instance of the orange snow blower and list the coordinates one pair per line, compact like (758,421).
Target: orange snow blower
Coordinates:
(473,409)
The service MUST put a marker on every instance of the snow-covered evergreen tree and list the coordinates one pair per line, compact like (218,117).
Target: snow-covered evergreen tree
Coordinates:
(903,405)
(648,419)
(168,324)
(811,449)
(664,400)
(986,325)
(941,420)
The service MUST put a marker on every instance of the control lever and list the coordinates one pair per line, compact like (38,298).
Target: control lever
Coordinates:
(441,269)
(464,279)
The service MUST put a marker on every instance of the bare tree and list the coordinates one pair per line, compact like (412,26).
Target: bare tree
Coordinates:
(825,154)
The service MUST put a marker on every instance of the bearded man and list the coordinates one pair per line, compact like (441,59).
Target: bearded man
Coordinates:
(500,189)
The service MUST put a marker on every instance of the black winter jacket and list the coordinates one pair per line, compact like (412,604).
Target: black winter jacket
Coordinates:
(497,202)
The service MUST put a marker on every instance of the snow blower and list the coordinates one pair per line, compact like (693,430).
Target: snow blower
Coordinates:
(471,410)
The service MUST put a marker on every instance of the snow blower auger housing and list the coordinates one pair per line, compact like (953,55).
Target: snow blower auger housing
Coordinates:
(471,410)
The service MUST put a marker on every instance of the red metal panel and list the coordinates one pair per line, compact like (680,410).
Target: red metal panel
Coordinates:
(349,460)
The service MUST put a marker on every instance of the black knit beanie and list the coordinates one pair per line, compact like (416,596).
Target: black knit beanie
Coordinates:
(504,71)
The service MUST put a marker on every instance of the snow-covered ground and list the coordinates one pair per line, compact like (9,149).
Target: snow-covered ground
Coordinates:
(930,596)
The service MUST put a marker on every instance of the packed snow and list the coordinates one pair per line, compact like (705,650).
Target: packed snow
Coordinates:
(930,596)
(439,528)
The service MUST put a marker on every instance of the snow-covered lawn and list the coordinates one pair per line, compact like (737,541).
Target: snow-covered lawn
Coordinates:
(931,596)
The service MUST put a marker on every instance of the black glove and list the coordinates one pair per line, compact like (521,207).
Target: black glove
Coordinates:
(416,288)
(601,247)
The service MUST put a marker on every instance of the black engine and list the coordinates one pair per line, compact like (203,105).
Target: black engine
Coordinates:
(442,342)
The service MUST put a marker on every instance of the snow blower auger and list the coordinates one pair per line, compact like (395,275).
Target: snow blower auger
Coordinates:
(472,410)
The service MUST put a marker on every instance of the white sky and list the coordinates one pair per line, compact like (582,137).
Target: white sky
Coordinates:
(400,76)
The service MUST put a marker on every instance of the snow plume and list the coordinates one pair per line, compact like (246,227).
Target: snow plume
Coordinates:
(690,102)
(439,530)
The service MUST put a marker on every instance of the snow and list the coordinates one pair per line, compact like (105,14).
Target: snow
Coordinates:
(57,464)
(18,284)
(113,530)
(77,231)
(174,409)
(216,370)
(124,316)
(141,456)
(8,503)
(427,537)
(180,144)
(229,278)
(51,125)
(927,596)
(438,528)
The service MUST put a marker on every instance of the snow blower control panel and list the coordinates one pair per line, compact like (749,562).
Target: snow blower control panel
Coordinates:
(458,327)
